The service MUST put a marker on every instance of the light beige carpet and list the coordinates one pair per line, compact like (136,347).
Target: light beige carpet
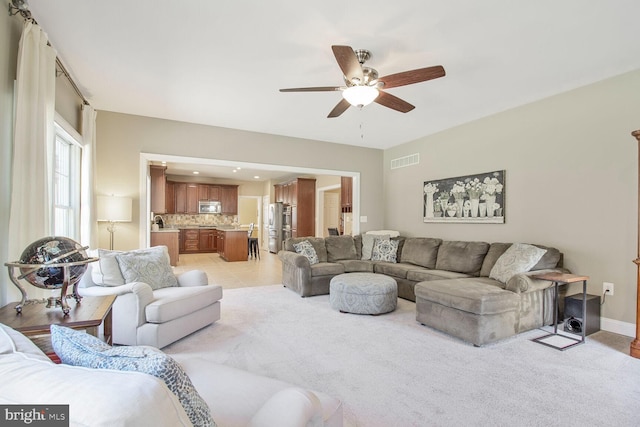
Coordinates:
(391,371)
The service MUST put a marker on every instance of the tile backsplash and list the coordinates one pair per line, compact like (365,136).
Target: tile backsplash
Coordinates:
(176,220)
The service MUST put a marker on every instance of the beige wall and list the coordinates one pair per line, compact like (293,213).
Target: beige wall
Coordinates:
(571,182)
(121,138)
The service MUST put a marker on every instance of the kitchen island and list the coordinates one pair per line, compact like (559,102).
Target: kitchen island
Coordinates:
(233,244)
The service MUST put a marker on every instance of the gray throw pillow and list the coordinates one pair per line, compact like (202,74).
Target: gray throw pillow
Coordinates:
(368,241)
(150,266)
(519,258)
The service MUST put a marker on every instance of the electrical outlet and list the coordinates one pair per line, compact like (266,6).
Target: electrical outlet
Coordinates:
(607,288)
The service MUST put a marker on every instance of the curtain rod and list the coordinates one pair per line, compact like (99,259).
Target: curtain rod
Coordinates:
(26,15)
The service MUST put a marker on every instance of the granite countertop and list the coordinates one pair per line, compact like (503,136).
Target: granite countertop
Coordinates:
(166,230)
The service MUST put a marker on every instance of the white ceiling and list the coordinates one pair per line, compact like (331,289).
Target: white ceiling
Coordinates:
(221,63)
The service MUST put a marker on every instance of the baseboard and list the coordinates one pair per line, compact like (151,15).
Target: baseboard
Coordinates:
(618,327)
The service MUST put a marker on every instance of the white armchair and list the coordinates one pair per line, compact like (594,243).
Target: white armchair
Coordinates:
(143,315)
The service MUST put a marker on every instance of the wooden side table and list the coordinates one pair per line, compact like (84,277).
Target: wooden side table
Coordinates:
(564,279)
(35,319)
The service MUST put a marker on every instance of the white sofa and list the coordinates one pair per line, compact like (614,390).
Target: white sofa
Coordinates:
(144,316)
(103,397)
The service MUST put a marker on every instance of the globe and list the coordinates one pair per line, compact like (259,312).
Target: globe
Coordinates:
(55,250)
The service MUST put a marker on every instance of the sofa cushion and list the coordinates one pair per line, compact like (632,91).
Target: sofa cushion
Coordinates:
(422,251)
(494,252)
(367,244)
(340,247)
(306,249)
(478,295)
(424,274)
(357,265)
(398,270)
(326,268)
(317,242)
(173,303)
(461,257)
(74,348)
(150,266)
(357,241)
(385,250)
(519,258)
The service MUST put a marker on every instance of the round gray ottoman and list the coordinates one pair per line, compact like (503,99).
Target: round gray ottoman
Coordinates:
(363,293)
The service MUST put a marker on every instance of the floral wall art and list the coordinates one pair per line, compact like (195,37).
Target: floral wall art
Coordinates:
(465,199)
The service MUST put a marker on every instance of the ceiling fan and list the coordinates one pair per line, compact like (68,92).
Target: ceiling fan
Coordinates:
(363,86)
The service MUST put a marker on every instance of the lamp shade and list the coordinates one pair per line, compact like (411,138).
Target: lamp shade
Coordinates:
(359,96)
(114,209)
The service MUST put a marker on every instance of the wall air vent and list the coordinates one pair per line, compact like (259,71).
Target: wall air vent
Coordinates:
(403,162)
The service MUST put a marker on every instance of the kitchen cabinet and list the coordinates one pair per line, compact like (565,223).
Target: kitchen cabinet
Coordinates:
(300,194)
(158,183)
(208,238)
(192,198)
(191,240)
(170,197)
(208,193)
(346,193)
(186,196)
(220,243)
(170,239)
(229,199)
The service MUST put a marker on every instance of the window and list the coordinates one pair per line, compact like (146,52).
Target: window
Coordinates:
(66,185)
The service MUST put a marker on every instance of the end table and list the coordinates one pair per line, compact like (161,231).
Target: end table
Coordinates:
(35,319)
(564,279)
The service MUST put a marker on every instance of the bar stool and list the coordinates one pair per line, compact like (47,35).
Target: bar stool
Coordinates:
(254,250)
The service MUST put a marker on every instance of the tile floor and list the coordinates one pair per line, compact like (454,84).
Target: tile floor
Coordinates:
(240,274)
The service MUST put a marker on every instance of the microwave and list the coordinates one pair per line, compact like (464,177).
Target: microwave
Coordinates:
(205,207)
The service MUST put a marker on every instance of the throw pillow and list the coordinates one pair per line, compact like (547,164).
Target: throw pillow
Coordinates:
(81,349)
(384,250)
(106,272)
(367,243)
(150,266)
(519,258)
(306,248)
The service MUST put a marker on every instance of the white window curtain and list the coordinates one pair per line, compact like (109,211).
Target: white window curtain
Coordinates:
(31,182)
(88,224)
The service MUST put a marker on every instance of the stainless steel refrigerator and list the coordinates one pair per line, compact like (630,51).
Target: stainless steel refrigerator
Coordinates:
(279,225)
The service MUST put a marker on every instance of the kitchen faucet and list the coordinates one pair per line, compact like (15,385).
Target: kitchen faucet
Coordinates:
(160,221)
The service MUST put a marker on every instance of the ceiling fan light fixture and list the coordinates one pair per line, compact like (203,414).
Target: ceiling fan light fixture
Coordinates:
(360,96)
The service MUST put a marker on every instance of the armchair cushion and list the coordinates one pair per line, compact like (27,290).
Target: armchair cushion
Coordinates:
(106,272)
(80,349)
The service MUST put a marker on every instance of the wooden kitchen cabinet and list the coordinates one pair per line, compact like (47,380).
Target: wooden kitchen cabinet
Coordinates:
(220,243)
(192,198)
(229,199)
(208,192)
(170,197)
(158,184)
(208,238)
(191,240)
(346,193)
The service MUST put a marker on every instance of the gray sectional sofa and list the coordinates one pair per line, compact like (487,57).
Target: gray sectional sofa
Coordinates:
(448,280)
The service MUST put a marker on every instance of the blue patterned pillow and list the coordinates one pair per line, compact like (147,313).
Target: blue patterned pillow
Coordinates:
(150,266)
(81,349)
(306,248)
(384,250)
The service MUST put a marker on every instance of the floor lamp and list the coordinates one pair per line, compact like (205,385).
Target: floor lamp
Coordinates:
(635,344)
(113,209)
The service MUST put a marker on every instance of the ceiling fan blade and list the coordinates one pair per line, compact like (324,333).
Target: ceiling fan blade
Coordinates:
(313,89)
(348,62)
(413,76)
(393,102)
(339,109)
